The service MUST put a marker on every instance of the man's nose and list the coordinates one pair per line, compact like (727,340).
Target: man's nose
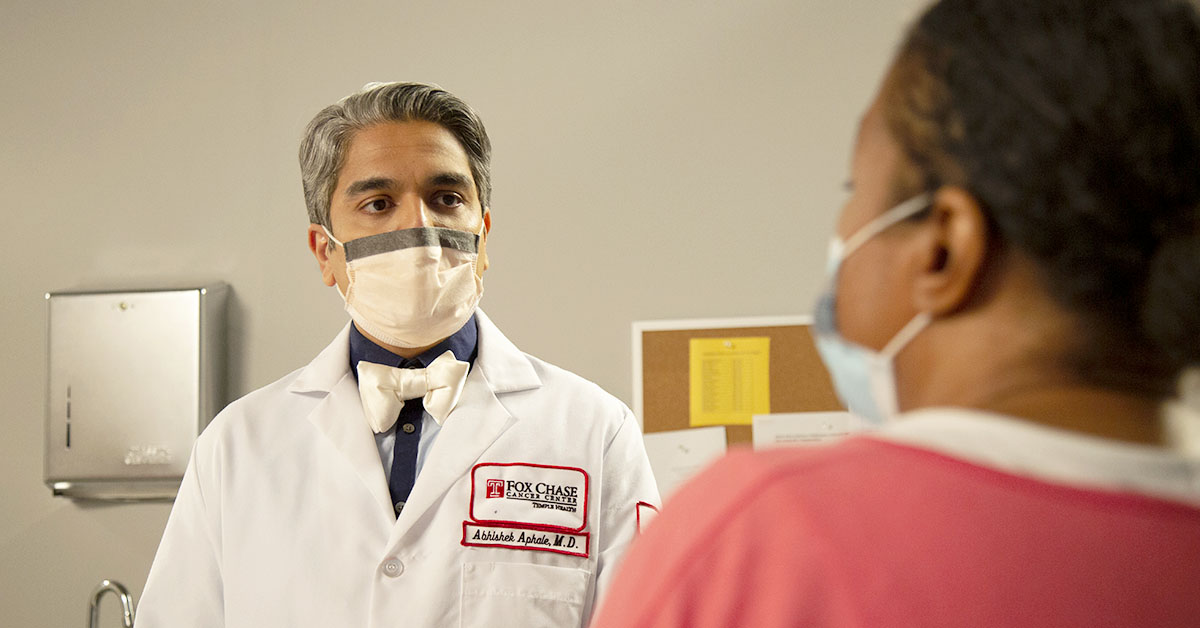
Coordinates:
(413,213)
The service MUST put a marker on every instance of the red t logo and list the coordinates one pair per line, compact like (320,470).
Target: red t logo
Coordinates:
(495,488)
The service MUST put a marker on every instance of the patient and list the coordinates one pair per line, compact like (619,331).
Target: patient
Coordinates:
(1014,291)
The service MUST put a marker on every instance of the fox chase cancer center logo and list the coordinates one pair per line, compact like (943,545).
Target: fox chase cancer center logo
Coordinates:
(526,494)
(538,494)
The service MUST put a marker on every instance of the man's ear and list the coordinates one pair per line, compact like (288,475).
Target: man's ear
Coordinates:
(319,244)
(953,253)
(487,228)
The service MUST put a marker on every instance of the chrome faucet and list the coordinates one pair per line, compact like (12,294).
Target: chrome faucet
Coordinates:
(112,586)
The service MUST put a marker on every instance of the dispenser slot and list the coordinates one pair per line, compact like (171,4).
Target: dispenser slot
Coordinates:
(68,417)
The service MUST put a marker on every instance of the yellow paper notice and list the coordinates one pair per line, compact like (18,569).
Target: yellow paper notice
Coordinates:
(730,380)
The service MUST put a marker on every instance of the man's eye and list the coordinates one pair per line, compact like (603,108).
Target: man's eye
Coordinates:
(377,205)
(448,199)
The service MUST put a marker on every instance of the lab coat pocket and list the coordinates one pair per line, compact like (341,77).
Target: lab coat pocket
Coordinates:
(515,595)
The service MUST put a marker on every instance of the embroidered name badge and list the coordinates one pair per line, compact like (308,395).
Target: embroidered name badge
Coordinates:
(518,537)
(529,495)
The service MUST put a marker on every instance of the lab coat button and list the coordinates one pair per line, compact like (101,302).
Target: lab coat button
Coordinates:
(392,568)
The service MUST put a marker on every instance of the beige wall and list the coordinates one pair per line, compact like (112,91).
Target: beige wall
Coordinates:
(652,160)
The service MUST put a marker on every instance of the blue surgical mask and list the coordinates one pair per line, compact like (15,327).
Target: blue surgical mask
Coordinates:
(864,379)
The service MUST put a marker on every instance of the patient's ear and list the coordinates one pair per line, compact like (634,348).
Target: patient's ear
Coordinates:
(953,249)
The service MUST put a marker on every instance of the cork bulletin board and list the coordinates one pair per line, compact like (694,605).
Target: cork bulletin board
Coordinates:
(798,379)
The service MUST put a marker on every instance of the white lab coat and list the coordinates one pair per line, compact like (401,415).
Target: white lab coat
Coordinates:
(284,519)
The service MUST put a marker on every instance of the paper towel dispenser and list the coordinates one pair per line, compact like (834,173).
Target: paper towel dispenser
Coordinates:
(133,377)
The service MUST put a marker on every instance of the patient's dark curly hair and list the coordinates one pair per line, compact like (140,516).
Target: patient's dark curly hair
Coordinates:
(1076,125)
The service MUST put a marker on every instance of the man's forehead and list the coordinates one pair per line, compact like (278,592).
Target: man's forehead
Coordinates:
(426,149)
(412,134)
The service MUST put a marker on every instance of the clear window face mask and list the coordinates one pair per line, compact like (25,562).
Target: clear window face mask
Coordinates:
(412,287)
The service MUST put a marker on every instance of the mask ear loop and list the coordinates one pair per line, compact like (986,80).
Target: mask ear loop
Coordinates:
(329,235)
(478,240)
(906,334)
(337,242)
(892,216)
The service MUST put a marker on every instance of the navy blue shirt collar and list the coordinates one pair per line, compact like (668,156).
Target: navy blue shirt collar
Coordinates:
(463,343)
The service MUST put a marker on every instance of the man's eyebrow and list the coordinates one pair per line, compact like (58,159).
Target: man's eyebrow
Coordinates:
(369,185)
(449,179)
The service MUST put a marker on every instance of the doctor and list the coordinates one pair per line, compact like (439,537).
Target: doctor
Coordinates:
(474,485)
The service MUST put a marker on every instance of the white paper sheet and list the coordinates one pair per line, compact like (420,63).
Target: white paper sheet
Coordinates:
(677,455)
(802,428)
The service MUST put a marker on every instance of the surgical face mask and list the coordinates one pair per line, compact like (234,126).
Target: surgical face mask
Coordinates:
(414,287)
(864,379)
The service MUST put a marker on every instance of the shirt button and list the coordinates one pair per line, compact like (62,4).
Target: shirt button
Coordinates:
(399,507)
(392,568)
(408,428)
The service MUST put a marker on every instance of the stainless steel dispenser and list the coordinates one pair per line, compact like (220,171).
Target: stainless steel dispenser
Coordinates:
(133,377)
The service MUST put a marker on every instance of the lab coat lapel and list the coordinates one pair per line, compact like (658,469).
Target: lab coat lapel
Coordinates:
(475,423)
(339,415)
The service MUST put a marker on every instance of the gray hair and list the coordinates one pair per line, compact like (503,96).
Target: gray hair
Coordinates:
(323,149)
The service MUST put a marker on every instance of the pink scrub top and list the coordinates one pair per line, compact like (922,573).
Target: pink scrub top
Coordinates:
(892,530)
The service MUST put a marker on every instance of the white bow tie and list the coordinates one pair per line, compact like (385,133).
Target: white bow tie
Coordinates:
(384,389)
